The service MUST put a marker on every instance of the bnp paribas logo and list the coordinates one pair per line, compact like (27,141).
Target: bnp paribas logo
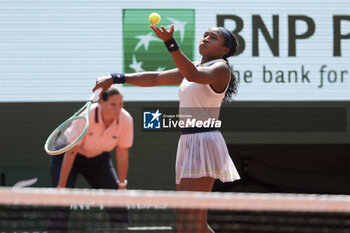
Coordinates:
(143,50)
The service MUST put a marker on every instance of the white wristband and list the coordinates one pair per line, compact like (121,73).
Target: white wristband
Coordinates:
(123,184)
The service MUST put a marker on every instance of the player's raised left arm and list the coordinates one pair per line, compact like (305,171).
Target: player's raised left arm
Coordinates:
(219,72)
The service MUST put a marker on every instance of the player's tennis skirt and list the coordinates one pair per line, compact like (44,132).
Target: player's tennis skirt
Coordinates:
(204,154)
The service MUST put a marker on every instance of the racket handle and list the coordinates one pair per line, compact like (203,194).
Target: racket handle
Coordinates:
(95,95)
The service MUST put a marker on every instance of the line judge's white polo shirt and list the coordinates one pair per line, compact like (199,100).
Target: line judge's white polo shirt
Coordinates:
(99,139)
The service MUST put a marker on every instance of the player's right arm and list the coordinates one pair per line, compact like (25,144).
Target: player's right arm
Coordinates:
(144,79)
(66,166)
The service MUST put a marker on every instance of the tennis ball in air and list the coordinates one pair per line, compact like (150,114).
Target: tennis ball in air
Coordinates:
(154,18)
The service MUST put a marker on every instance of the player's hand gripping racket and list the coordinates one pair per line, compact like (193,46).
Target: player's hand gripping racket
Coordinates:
(69,133)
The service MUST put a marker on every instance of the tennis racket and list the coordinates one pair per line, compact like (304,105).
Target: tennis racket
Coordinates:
(69,133)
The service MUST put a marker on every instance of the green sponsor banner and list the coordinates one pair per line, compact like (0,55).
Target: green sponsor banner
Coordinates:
(143,50)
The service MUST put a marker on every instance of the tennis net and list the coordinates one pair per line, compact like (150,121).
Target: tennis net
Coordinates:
(42,210)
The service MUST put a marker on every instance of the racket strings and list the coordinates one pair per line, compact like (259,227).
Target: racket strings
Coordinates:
(67,134)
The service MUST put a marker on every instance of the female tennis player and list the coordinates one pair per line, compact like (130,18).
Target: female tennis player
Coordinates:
(202,154)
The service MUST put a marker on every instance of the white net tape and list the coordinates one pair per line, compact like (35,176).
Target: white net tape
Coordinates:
(172,199)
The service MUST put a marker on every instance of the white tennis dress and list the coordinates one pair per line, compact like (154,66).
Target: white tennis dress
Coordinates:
(202,154)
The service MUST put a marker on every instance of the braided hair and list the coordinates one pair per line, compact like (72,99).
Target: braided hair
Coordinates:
(232,88)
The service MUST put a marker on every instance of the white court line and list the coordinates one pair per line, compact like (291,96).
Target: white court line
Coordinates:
(139,228)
